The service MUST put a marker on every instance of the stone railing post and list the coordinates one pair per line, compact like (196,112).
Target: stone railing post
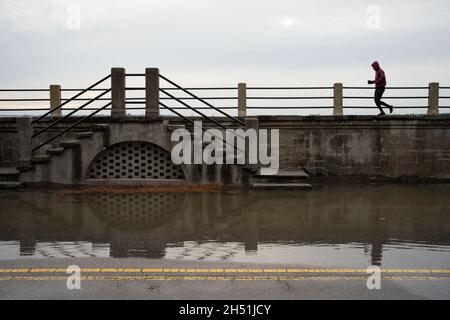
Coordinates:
(55,100)
(338,100)
(118,92)
(152,93)
(242,100)
(433,98)
(25,131)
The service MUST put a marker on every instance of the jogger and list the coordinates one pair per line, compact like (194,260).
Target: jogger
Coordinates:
(380,87)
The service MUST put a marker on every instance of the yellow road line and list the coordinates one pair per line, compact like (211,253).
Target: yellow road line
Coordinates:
(224,270)
(220,278)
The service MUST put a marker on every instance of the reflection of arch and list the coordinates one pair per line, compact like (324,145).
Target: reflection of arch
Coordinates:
(137,211)
(134,160)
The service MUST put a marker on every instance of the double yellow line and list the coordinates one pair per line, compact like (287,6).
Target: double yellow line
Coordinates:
(222,271)
(220,278)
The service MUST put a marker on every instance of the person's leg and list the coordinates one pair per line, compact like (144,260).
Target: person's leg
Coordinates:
(378,95)
(382,103)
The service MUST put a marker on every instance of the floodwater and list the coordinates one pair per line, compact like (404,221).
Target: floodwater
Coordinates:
(405,226)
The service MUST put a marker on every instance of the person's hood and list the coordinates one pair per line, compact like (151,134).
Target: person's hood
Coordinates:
(376,65)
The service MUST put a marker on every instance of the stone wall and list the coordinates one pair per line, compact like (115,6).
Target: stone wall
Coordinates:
(344,146)
(9,141)
(365,146)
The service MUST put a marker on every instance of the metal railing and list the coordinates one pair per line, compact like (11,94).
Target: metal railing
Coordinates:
(193,96)
(387,97)
(62,119)
(189,107)
(298,98)
(304,98)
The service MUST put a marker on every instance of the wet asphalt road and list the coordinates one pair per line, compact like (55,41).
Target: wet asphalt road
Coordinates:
(170,279)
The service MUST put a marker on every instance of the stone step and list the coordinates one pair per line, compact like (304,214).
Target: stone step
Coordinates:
(98,127)
(173,127)
(84,135)
(10,184)
(70,144)
(301,174)
(281,186)
(9,174)
(44,158)
(55,151)
(25,167)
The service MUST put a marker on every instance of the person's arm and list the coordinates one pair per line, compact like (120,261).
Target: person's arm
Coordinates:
(379,78)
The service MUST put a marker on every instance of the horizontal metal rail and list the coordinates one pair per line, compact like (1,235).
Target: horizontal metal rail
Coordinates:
(385,97)
(289,98)
(23,100)
(71,127)
(375,107)
(287,108)
(24,90)
(74,97)
(289,88)
(387,88)
(129,88)
(69,114)
(204,98)
(200,99)
(203,88)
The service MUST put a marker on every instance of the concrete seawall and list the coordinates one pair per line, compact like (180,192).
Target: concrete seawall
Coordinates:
(334,146)
(393,147)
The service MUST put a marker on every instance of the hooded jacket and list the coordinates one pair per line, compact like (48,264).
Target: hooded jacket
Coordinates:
(380,76)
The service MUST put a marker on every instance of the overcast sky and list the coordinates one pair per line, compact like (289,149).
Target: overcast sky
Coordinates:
(207,43)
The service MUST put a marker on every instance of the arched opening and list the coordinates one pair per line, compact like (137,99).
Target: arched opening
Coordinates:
(134,160)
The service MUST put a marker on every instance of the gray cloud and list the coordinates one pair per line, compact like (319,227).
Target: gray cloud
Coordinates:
(203,42)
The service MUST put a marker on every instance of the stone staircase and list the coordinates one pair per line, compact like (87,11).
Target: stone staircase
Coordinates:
(9,178)
(285,180)
(60,162)
(246,175)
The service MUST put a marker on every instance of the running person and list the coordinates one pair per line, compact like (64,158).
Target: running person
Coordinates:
(380,87)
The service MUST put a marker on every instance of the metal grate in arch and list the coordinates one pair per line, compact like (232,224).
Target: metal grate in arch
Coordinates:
(134,160)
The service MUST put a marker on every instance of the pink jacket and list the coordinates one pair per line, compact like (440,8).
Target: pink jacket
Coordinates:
(380,76)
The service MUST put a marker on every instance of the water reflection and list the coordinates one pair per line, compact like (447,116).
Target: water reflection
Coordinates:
(333,225)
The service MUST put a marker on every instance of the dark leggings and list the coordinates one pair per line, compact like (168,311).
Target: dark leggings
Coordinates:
(378,95)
